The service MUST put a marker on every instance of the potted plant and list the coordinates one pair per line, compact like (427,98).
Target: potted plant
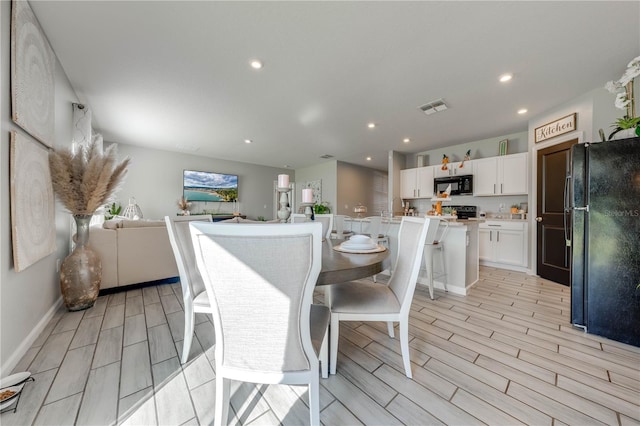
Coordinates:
(84,181)
(322,208)
(112,211)
(629,124)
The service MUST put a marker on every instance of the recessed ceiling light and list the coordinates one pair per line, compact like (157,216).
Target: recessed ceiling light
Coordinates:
(256,64)
(371,125)
(406,140)
(505,77)
(368,158)
(286,166)
(522,111)
(248,141)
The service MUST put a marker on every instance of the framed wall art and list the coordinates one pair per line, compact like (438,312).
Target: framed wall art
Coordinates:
(32,75)
(33,230)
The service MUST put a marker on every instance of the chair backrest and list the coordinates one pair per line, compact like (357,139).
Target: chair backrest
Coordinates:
(180,238)
(298,218)
(338,222)
(441,232)
(260,280)
(411,239)
(375,224)
(327,223)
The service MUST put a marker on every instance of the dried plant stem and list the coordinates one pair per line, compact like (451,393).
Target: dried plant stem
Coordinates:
(88,179)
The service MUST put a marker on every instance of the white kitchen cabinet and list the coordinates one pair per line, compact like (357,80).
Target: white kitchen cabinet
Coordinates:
(504,175)
(416,183)
(503,243)
(454,169)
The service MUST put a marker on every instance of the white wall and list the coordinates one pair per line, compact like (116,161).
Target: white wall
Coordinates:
(28,298)
(361,185)
(155,180)
(518,142)
(327,172)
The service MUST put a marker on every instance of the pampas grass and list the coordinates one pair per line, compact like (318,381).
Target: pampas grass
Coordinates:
(88,179)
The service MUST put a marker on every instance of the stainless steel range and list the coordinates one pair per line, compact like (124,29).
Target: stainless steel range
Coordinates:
(465,212)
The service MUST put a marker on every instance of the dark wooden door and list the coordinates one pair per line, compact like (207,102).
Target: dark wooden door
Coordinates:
(553,222)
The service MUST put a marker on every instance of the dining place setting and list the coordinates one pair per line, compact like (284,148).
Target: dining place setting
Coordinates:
(360,244)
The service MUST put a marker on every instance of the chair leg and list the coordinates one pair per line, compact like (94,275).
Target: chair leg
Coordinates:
(390,329)
(314,400)
(222,401)
(324,355)
(404,345)
(430,275)
(189,320)
(334,333)
(444,269)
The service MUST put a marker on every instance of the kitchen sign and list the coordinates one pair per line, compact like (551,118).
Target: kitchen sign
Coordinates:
(556,128)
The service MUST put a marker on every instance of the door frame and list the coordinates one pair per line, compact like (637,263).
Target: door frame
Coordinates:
(533,191)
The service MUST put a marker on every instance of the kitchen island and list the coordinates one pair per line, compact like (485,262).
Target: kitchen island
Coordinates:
(460,252)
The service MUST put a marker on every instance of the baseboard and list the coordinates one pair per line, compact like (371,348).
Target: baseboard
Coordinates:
(22,349)
(505,266)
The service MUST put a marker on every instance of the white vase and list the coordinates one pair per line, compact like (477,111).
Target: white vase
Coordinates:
(624,134)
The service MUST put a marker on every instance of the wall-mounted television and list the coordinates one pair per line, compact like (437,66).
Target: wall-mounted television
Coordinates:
(208,186)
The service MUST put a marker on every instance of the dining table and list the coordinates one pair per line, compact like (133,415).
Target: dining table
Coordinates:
(339,266)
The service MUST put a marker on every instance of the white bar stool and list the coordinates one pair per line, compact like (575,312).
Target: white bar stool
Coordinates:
(430,250)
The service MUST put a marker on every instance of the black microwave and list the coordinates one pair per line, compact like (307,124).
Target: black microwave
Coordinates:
(460,185)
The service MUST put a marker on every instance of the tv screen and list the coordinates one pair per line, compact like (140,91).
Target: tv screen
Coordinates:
(208,186)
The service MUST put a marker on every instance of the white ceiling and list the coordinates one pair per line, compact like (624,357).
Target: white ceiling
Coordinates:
(175,75)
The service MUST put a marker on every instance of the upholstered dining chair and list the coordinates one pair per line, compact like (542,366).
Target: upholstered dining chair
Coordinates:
(194,294)
(327,223)
(298,218)
(339,232)
(367,301)
(260,280)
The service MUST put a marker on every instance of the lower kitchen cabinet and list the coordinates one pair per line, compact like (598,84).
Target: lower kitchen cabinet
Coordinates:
(504,244)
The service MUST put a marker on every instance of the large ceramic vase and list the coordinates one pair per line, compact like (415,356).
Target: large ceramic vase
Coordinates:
(81,271)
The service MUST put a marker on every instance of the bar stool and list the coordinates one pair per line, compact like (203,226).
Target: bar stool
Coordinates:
(430,250)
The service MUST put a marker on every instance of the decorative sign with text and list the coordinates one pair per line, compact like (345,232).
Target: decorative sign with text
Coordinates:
(555,128)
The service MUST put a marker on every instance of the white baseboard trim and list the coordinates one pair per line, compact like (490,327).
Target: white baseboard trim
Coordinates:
(437,285)
(22,349)
(505,266)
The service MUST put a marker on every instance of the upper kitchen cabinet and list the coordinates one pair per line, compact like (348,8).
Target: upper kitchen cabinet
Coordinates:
(417,183)
(504,175)
(455,169)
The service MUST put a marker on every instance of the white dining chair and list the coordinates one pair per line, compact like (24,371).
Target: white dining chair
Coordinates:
(327,223)
(375,230)
(194,294)
(260,279)
(298,218)
(367,301)
(433,248)
(339,230)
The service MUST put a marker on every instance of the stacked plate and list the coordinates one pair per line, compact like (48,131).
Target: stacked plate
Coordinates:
(359,243)
(10,388)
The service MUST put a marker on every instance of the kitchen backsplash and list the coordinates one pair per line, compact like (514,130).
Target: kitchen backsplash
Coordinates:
(486,204)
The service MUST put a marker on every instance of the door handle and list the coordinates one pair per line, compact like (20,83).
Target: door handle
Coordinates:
(538,219)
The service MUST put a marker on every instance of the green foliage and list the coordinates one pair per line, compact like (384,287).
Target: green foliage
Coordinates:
(112,211)
(262,219)
(322,208)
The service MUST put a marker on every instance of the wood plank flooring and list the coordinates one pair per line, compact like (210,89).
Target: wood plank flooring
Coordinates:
(503,355)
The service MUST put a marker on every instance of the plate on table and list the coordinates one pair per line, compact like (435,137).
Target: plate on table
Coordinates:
(352,246)
(376,249)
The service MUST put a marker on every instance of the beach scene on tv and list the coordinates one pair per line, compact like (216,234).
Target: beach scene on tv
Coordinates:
(207,186)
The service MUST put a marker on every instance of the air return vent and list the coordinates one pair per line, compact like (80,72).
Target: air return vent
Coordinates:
(325,156)
(433,107)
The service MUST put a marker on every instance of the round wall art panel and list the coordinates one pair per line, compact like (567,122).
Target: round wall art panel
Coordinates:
(32,202)
(32,75)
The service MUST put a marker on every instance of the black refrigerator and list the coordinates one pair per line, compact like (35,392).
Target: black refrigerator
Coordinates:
(605,297)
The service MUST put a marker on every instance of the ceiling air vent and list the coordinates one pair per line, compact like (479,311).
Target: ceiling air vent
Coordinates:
(433,107)
(325,156)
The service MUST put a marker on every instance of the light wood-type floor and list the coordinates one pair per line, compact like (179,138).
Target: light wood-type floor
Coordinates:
(503,355)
